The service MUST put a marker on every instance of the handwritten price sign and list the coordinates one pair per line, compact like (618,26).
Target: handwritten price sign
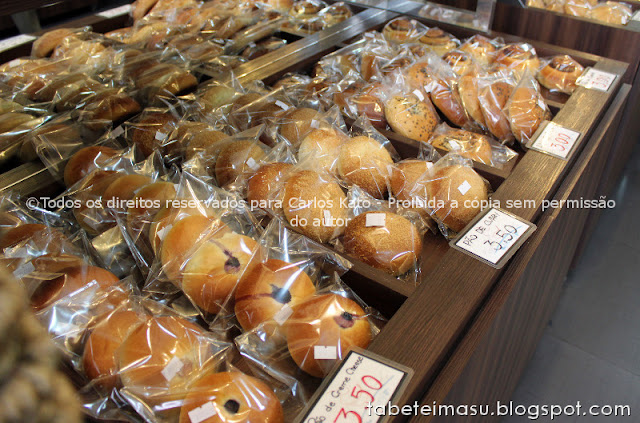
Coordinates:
(555,140)
(596,79)
(494,237)
(351,395)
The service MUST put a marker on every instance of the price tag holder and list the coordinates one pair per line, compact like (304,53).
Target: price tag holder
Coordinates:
(11,42)
(595,79)
(116,11)
(359,386)
(556,140)
(493,237)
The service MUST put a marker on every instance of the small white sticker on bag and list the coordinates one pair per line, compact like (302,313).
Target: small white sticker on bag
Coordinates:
(23,270)
(163,232)
(14,63)
(117,132)
(315,124)
(252,164)
(375,220)
(464,187)
(202,413)
(418,94)
(172,368)
(282,105)
(283,314)
(327,220)
(325,353)
(453,145)
(161,136)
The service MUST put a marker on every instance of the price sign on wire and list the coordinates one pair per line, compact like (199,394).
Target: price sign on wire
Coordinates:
(358,390)
(595,79)
(555,140)
(493,237)
(9,43)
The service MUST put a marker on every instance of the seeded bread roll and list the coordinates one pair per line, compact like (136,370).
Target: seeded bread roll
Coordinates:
(315,206)
(447,101)
(393,247)
(123,189)
(365,162)
(457,192)
(439,41)
(519,57)
(328,320)
(236,397)
(410,117)
(611,12)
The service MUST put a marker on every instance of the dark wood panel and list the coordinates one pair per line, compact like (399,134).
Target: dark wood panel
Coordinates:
(488,362)
(7,7)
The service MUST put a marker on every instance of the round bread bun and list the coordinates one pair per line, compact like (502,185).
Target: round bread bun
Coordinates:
(212,272)
(182,238)
(526,111)
(73,279)
(237,158)
(184,131)
(265,184)
(448,103)
(371,106)
(205,142)
(44,45)
(393,248)
(266,288)
(519,58)
(99,356)
(236,398)
(151,127)
(408,182)
(123,189)
(439,41)
(468,92)
(410,117)
(217,96)
(446,188)
(328,320)
(246,111)
(165,218)
(297,124)
(84,161)
(580,8)
(365,162)
(145,355)
(459,61)
(399,30)
(560,74)
(314,206)
(419,76)
(111,106)
(611,12)
(480,48)
(321,148)
(90,214)
(493,99)
(146,203)
(467,144)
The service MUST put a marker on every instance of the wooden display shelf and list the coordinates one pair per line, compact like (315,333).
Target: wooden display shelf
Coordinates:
(430,322)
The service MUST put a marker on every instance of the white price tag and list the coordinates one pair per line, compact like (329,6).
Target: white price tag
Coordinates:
(282,105)
(23,270)
(429,165)
(361,380)
(116,11)
(636,16)
(14,63)
(327,220)
(161,136)
(554,139)
(163,232)
(418,94)
(494,236)
(596,79)
(315,124)
(9,43)
(252,164)
(464,187)
(117,132)
(172,368)
(325,353)
(202,413)
(375,219)
(453,145)
(283,314)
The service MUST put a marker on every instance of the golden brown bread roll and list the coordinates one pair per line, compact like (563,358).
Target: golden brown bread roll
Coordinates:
(44,45)
(150,132)
(457,192)
(560,74)
(468,91)
(235,396)
(117,195)
(439,41)
(264,185)
(365,162)
(41,235)
(164,220)
(84,161)
(473,146)
(99,356)
(112,106)
(297,124)
(328,320)
(526,111)
(493,98)
(480,48)
(237,158)
(265,288)
(212,272)
(321,147)
(519,57)
(411,117)
(393,247)
(145,204)
(448,102)
(611,12)
(205,141)
(315,206)
(11,121)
